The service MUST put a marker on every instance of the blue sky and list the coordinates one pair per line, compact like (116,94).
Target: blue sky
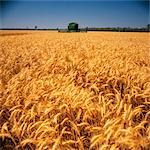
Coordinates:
(53,14)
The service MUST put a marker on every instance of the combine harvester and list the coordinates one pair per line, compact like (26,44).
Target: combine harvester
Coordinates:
(72,27)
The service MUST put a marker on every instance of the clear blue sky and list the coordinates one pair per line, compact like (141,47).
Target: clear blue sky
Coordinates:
(53,14)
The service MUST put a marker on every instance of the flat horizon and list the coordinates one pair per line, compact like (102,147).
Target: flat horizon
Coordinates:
(52,15)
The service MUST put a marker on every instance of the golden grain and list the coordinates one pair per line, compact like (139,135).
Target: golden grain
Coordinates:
(69,91)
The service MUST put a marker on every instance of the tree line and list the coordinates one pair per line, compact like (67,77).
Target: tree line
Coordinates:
(115,29)
(121,29)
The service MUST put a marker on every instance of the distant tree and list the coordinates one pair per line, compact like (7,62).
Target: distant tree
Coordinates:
(35,27)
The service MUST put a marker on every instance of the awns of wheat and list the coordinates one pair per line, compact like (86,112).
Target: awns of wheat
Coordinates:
(70,91)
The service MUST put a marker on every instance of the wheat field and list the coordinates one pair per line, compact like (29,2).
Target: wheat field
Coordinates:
(74,91)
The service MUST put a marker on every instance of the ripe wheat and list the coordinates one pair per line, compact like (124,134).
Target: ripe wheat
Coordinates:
(67,91)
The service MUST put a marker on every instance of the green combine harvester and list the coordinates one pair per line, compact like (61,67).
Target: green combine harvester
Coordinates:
(73,27)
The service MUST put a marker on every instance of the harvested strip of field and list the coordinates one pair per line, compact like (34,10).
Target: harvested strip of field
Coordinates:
(64,91)
(9,34)
(15,32)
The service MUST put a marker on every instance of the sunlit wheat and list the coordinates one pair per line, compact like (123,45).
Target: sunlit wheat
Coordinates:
(74,91)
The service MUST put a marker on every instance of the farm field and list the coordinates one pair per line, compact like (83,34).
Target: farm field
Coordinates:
(74,91)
